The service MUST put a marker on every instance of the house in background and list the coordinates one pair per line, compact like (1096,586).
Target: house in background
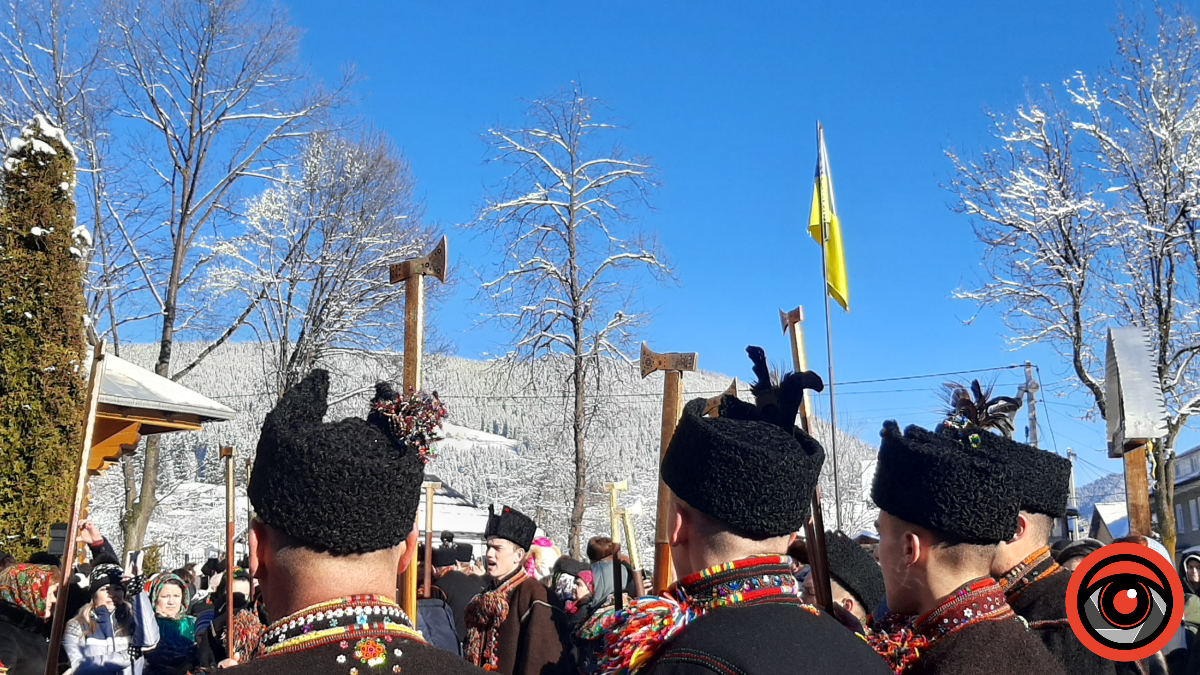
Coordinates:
(1109,521)
(1187,499)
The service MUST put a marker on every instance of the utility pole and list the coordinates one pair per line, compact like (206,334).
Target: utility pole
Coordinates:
(1073,503)
(1031,388)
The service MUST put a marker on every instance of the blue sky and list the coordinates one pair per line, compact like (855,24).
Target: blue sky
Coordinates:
(725,98)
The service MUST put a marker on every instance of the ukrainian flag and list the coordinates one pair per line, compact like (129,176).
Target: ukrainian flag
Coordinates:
(824,226)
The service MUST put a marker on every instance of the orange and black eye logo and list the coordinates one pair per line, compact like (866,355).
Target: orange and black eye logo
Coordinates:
(1125,602)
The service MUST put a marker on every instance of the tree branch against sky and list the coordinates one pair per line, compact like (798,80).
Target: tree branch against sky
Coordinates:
(1088,216)
(570,253)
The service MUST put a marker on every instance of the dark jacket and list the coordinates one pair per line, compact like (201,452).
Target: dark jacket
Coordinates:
(766,639)
(1043,604)
(23,641)
(458,588)
(529,642)
(987,648)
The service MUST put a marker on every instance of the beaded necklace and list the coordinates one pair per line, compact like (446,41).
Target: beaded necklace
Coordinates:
(366,625)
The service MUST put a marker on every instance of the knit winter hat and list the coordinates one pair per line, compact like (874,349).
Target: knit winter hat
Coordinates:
(105,573)
(929,480)
(343,487)
(512,525)
(751,475)
(854,569)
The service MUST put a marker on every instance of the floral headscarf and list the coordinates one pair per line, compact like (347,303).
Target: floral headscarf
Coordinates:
(26,586)
(158,581)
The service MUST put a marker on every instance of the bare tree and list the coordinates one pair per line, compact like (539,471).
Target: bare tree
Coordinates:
(1088,216)
(213,93)
(313,260)
(570,253)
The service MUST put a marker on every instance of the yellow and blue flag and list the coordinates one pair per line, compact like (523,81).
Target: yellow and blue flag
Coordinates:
(824,226)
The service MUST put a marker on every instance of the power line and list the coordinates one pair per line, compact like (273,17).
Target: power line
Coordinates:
(919,377)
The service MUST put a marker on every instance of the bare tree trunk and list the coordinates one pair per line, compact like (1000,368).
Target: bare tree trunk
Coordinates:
(1164,496)
(579,504)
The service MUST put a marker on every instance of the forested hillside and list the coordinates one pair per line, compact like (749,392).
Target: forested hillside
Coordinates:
(528,404)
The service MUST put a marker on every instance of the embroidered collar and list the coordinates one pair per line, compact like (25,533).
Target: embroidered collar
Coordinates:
(901,640)
(367,625)
(974,602)
(634,635)
(1039,565)
(747,581)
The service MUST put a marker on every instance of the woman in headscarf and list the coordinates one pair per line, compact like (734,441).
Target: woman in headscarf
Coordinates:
(176,651)
(27,596)
(109,633)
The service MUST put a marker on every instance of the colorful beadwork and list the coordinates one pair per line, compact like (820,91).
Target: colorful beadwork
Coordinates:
(1038,566)
(376,618)
(634,635)
(370,651)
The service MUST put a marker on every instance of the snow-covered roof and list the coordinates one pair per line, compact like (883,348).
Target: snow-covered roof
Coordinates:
(455,437)
(129,386)
(453,511)
(1136,408)
(1115,516)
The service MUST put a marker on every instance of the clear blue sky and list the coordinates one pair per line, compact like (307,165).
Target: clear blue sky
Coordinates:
(725,99)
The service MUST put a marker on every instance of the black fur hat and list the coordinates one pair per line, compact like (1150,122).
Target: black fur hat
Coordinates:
(926,479)
(1042,477)
(344,487)
(463,553)
(855,570)
(750,475)
(512,525)
(445,556)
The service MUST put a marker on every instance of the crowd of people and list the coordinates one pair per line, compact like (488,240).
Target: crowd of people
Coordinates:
(963,578)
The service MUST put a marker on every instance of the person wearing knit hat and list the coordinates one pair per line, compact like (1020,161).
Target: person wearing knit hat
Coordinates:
(511,626)
(943,513)
(741,485)
(336,508)
(854,576)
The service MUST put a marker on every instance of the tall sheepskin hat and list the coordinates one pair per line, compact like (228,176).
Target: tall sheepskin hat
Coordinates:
(750,475)
(928,479)
(854,569)
(1043,478)
(343,487)
(512,525)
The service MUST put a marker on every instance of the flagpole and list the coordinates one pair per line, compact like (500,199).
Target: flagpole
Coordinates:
(837,492)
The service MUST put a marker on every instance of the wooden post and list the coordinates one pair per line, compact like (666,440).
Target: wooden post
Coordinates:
(1137,491)
(814,529)
(412,273)
(227,453)
(429,488)
(673,365)
(58,621)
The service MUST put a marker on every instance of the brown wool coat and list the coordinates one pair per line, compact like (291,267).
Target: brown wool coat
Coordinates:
(529,641)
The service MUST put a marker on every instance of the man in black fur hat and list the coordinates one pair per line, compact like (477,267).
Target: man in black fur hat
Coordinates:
(1034,585)
(854,577)
(511,626)
(457,588)
(741,487)
(336,508)
(943,513)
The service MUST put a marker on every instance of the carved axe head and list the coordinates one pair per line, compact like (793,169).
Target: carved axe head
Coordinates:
(433,264)
(789,318)
(670,361)
(712,406)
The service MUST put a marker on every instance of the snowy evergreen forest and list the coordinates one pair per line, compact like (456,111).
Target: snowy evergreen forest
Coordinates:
(529,404)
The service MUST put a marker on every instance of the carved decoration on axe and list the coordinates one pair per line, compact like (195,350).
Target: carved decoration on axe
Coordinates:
(433,264)
(671,361)
(712,406)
